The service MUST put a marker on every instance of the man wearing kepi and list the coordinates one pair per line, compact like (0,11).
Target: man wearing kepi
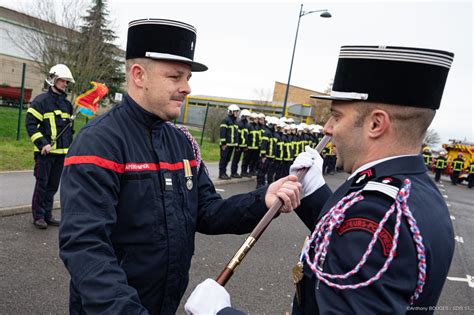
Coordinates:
(382,243)
(135,190)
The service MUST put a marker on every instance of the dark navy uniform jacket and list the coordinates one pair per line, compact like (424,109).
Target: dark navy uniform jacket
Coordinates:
(129,214)
(391,293)
(229,131)
(47,116)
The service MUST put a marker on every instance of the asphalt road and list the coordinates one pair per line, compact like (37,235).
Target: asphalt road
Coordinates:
(33,279)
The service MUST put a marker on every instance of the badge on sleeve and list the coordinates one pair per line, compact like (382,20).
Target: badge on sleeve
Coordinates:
(370,226)
(188,174)
(168,181)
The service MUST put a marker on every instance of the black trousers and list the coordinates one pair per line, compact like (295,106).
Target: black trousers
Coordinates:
(470,180)
(226,154)
(48,169)
(235,160)
(254,161)
(273,171)
(455,177)
(438,173)
(262,171)
(249,160)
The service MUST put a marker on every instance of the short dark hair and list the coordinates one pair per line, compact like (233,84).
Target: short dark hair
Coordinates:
(409,122)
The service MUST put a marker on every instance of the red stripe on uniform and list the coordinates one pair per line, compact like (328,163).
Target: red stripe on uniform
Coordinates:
(92,159)
(128,167)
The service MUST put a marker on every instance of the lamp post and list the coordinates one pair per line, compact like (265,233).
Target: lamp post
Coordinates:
(325,14)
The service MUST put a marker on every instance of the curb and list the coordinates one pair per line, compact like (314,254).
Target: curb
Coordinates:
(5,212)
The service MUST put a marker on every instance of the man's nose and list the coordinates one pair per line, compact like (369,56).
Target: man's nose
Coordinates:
(185,88)
(328,127)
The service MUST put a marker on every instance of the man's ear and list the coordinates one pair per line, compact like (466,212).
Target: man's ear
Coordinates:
(378,123)
(137,74)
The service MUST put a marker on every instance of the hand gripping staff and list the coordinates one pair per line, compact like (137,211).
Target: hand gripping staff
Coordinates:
(260,228)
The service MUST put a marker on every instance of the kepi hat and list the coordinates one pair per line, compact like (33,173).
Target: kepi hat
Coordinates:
(163,40)
(391,75)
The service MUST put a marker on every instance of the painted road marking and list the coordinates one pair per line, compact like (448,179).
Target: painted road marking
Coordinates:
(452,217)
(220,190)
(442,189)
(448,204)
(469,279)
(459,239)
(445,196)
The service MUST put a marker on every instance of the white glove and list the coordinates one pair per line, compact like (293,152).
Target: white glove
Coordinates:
(313,180)
(208,298)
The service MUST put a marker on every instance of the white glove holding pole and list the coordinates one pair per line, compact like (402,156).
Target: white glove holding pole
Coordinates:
(313,180)
(208,298)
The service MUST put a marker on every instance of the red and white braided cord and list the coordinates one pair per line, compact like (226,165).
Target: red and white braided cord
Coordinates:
(321,237)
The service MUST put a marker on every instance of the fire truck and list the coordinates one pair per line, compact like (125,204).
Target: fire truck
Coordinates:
(453,149)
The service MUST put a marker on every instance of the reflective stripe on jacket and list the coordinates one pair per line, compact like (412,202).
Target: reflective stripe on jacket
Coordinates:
(229,132)
(47,116)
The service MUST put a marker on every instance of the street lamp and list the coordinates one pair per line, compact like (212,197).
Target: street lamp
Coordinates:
(325,14)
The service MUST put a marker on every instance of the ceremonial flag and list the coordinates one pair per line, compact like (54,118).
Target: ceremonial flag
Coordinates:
(89,100)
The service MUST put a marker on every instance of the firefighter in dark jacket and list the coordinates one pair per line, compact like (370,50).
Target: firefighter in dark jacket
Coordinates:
(49,113)
(253,146)
(383,242)
(470,179)
(440,165)
(267,153)
(134,189)
(457,166)
(229,132)
(428,158)
(243,127)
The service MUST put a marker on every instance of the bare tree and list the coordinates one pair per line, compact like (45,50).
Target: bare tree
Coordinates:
(263,96)
(431,138)
(213,123)
(52,29)
(57,33)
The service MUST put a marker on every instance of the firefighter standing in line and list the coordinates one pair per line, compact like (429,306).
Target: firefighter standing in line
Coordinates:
(229,132)
(279,144)
(470,181)
(457,165)
(49,113)
(428,158)
(243,126)
(251,154)
(267,154)
(440,165)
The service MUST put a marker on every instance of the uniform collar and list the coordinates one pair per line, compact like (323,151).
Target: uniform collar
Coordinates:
(140,114)
(373,163)
(54,94)
(406,164)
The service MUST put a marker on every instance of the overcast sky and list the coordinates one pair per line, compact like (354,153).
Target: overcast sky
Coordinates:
(247,45)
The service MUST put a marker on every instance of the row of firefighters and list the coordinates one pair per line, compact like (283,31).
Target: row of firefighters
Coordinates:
(440,164)
(268,145)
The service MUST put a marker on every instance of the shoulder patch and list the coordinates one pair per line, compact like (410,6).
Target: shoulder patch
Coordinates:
(385,188)
(363,224)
